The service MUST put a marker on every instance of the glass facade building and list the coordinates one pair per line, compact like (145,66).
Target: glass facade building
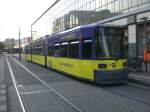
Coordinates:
(66,14)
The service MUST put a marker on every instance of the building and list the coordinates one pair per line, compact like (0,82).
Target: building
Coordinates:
(77,17)
(12,45)
(66,14)
(23,42)
(9,43)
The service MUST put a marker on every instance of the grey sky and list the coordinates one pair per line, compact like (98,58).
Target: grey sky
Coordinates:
(15,13)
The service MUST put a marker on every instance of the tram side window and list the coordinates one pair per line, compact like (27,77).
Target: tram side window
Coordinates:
(56,50)
(87,49)
(39,50)
(74,49)
(63,49)
(33,50)
(50,50)
(98,45)
(27,50)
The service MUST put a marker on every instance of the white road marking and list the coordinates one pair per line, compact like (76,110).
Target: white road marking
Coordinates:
(32,92)
(48,86)
(20,85)
(139,86)
(15,85)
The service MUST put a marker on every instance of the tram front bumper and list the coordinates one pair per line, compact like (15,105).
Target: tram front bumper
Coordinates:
(110,76)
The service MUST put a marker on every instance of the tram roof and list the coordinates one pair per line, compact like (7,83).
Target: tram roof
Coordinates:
(93,25)
(78,28)
(87,31)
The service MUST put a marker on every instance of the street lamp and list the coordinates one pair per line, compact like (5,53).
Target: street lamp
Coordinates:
(19,46)
(12,44)
(31,44)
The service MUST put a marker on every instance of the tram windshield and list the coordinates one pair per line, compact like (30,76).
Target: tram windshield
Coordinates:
(109,43)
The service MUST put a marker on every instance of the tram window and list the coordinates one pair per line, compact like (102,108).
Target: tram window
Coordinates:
(39,50)
(33,50)
(27,50)
(74,49)
(98,45)
(56,50)
(63,49)
(87,49)
(50,50)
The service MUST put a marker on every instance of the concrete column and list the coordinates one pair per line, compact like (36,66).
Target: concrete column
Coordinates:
(132,40)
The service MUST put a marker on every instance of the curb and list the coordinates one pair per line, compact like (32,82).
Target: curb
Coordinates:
(3,104)
(139,79)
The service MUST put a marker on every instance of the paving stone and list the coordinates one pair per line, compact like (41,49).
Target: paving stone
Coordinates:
(3,108)
(142,79)
(3,86)
(2,102)
(2,98)
(93,99)
(3,92)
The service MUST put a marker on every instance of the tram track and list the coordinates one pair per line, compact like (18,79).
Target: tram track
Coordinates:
(138,86)
(15,86)
(126,95)
(113,91)
(47,86)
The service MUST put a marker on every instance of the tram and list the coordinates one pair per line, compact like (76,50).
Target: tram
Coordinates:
(92,52)
(28,52)
(38,51)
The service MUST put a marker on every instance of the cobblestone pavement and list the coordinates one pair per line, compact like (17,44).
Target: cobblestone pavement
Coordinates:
(3,106)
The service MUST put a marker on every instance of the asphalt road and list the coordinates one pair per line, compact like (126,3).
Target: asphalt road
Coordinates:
(44,90)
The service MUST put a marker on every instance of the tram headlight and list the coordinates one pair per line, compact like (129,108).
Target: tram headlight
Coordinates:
(102,66)
(113,65)
(124,64)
